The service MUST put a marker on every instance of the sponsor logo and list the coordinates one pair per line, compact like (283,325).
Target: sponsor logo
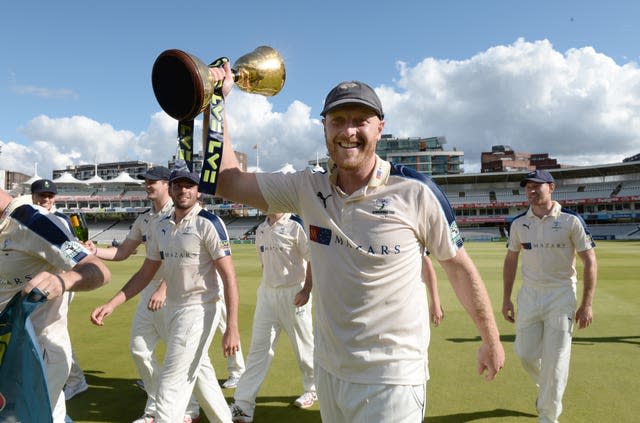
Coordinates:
(10,285)
(324,236)
(323,198)
(176,254)
(3,401)
(542,245)
(319,235)
(524,225)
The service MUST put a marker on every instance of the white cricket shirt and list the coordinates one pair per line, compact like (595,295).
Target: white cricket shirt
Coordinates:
(548,245)
(140,227)
(370,303)
(188,251)
(283,249)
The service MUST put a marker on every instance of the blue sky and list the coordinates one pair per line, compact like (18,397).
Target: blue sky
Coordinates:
(542,76)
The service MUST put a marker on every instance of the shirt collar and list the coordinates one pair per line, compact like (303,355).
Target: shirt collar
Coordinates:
(555,211)
(194,211)
(379,177)
(284,218)
(165,208)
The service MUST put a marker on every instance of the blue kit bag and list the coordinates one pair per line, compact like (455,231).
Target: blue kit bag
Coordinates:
(24,396)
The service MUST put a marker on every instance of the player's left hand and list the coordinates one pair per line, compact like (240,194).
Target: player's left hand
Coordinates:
(584,316)
(301,298)
(157,300)
(230,342)
(490,359)
(50,284)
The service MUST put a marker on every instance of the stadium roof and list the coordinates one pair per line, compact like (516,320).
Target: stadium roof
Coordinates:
(559,174)
(123,178)
(67,178)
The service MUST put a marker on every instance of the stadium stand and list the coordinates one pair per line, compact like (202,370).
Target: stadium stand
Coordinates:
(606,196)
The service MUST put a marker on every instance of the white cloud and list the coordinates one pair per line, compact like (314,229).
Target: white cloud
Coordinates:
(526,95)
(579,106)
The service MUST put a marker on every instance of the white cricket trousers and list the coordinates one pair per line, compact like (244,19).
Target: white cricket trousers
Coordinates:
(76,375)
(187,365)
(147,329)
(274,312)
(347,402)
(544,323)
(50,326)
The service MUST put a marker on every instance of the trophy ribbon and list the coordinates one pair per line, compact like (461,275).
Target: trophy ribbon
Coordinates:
(215,136)
(185,142)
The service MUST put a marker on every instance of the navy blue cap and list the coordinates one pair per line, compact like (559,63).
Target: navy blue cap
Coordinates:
(43,185)
(352,92)
(184,174)
(539,176)
(156,173)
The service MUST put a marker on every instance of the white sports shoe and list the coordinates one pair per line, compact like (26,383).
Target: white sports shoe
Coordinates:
(73,390)
(146,418)
(238,415)
(306,400)
(232,382)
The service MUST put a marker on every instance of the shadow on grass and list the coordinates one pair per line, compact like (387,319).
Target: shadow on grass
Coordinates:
(107,400)
(503,338)
(281,409)
(469,417)
(634,340)
(121,400)
(578,340)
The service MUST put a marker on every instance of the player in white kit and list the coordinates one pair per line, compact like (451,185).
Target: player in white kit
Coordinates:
(192,246)
(368,222)
(282,304)
(38,251)
(148,326)
(548,236)
(43,194)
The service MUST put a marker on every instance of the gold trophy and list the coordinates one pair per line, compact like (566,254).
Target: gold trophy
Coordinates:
(183,87)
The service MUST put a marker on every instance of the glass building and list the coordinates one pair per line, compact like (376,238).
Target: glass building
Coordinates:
(426,155)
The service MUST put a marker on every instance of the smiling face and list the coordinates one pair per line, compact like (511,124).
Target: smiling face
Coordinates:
(44,199)
(351,134)
(184,193)
(539,194)
(156,188)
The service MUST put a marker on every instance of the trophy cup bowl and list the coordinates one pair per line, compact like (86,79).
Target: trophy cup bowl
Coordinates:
(183,87)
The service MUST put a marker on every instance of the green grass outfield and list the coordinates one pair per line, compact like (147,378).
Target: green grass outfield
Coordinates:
(604,382)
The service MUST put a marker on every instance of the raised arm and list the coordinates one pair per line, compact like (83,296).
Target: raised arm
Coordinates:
(234,184)
(471,292)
